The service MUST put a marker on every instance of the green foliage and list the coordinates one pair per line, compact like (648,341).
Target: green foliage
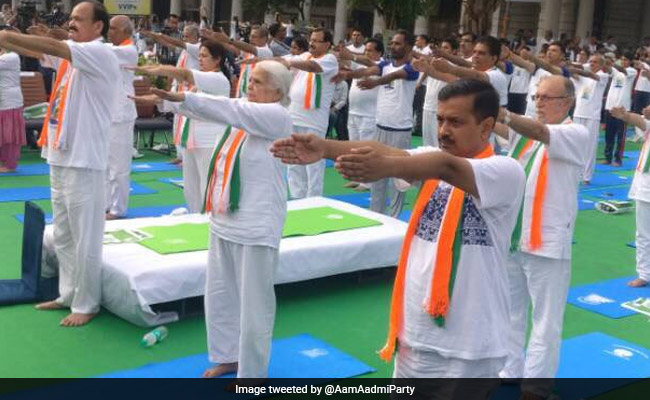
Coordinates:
(399,13)
(159,82)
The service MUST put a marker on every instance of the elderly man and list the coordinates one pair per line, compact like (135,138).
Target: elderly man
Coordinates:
(553,152)
(75,140)
(450,300)
(121,137)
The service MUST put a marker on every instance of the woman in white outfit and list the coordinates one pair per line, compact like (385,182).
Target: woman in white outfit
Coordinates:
(199,135)
(246,197)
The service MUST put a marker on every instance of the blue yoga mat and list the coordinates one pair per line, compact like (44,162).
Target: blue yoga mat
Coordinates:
(301,356)
(628,164)
(43,192)
(585,204)
(613,193)
(597,355)
(329,163)
(606,179)
(405,216)
(632,245)
(136,212)
(154,167)
(44,169)
(606,297)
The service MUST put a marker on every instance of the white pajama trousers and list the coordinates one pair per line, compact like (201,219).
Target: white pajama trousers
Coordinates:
(361,128)
(78,205)
(240,305)
(414,364)
(430,128)
(118,173)
(544,282)
(306,180)
(643,240)
(196,163)
(385,188)
(593,126)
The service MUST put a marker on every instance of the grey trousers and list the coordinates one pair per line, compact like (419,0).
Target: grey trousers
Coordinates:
(385,188)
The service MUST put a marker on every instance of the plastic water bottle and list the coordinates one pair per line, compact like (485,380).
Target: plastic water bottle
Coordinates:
(156,336)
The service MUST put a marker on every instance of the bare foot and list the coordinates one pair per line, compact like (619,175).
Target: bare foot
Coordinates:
(220,369)
(6,170)
(50,305)
(638,282)
(112,217)
(76,319)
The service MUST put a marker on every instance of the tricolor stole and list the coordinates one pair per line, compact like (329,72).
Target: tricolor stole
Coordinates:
(643,165)
(313,89)
(224,173)
(534,157)
(244,76)
(57,105)
(447,255)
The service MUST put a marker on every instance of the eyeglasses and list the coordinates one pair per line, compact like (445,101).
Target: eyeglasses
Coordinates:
(547,98)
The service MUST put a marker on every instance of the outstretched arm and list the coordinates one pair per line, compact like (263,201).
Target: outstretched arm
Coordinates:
(223,39)
(422,65)
(180,74)
(19,42)
(582,72)
(545,65)
(520,62)
(461,72)
(460,61)
(527,127)
(630,118)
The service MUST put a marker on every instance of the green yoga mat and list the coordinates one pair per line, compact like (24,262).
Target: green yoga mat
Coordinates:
(183,238)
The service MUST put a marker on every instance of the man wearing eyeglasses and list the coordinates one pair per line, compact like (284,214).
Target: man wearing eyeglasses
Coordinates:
(553,152)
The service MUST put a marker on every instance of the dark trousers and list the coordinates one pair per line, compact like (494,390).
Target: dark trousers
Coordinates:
(517,103)
(641,101)
(339,121)
(614,137)
(418,103)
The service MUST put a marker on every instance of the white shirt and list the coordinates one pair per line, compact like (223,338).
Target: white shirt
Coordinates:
(11,95)
(247,69)
(204,134)
(620,90)
(589,95)
(317,118)
(356,50)
(500,83)
(263,199)
(640,189)
(479,307)
(568,150)
(340,98)
(531,111)
(434,86)
(189,56)
(520,81)
(426,50)
(643,83)
(90,104)
(362,102)
(395,100)
(125,109)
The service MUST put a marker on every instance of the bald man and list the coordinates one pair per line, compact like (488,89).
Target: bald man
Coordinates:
(75,142)
(118,183)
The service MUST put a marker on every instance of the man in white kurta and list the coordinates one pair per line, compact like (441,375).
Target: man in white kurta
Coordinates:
(311,94)
(553,152)
(589,104)
(118,174)
(75,143)
(461,336)
(640,192)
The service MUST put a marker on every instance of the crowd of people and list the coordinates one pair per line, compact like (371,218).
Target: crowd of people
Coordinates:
(510,132)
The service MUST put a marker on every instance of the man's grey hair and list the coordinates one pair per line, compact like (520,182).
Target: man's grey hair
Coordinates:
(279,78)
(192,29)
(600,58)
(262,30)
(569,88)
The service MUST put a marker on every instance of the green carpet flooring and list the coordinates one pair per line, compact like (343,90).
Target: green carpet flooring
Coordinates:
(349,311)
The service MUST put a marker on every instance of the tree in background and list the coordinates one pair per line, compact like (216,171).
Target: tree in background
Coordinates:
(259,7)
(477,15)
(399,13)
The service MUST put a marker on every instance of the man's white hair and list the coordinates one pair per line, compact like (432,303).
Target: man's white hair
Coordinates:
(279,78)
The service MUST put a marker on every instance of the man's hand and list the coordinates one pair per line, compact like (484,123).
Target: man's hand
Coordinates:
(343,75)
(619,113)
(420,65)
(367,84)
(38,30)
(149,34)
(169,96)
(299,149)
(363,165)
(441,65)
(217,36)
(646,112)
(58,33)
(146,100)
